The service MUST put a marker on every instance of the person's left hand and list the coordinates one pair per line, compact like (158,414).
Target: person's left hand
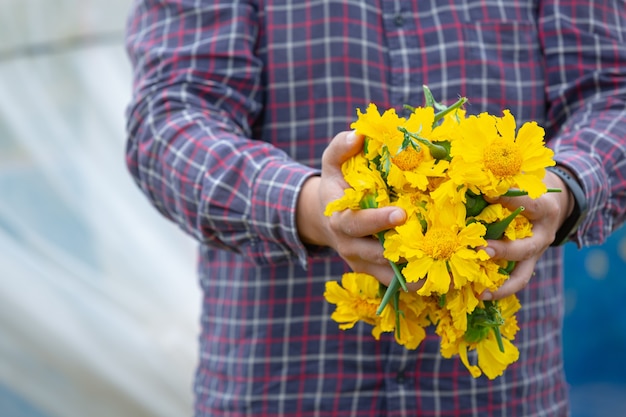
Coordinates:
(546,214)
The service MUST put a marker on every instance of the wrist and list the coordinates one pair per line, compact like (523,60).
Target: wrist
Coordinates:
(576,205)
(310,214)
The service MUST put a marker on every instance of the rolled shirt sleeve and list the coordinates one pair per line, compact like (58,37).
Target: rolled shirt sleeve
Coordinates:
(585,51)
(197,92)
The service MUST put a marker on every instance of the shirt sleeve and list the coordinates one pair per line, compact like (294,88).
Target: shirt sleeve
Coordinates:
(197,92)
(585,50)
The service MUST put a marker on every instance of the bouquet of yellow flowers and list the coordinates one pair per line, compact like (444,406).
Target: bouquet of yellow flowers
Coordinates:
(439,165)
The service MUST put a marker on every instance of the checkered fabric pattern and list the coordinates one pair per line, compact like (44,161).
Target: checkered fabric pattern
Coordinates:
(234,102)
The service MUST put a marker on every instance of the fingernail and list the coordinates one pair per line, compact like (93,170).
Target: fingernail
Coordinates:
(486,296)
(490,251)
(397,217)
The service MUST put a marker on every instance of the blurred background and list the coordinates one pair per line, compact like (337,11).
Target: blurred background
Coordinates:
(98,299)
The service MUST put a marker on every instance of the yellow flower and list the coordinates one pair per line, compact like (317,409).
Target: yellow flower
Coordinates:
(409,322)
(363,181)
(356,299)
(445,248)
(379,129)
(491,360)
(412,169)
(491,278)
(414,204)
(494,159)
(462,351)
(438,168)
(451,336)
(448,128)
(448,192)
(508,307)
(461,302)
(412,164)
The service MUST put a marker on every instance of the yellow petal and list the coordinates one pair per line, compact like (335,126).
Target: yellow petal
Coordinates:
(474,370)
(491,360)
(417,269)
(437,281)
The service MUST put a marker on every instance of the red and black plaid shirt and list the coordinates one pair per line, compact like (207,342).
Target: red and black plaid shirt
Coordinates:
(234,102)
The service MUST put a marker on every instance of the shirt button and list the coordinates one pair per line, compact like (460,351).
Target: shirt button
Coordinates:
(400,377)
(399,20)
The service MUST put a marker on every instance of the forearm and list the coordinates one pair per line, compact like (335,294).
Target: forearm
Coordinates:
(220,187)
(197,94)
(586,87)
(595,154)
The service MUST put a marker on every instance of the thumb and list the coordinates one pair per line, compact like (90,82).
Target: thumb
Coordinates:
(343,146)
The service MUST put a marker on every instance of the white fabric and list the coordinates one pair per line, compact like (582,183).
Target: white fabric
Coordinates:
(98,296)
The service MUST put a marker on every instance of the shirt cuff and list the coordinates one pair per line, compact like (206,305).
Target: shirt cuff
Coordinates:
(590,173)
(273,215)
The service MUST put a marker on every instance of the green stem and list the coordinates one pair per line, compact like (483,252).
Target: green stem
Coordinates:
(490,306)
(396,306)
(519,193)
(397,273)
(496,330)
(437,151)
(461,101)
(392,289)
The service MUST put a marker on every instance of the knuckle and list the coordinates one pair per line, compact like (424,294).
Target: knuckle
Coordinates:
(326,156)
(532,249)
(345,250)
(336,223)
(554,211)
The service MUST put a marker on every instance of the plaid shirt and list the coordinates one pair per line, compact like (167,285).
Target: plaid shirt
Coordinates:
(234,102)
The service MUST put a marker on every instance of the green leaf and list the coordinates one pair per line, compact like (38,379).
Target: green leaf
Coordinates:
(481,321)
(496,230)
(508,268)
(474,203)
(385,162)
(429,100)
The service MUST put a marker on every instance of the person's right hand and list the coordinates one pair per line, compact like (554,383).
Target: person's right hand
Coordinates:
(349,232)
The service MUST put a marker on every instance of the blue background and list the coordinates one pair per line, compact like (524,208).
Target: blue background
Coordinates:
(594,340)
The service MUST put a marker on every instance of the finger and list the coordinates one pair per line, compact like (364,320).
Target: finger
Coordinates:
(340,149)
(515,250)
(383,273)
(362,251)
(518,280)
(358,223)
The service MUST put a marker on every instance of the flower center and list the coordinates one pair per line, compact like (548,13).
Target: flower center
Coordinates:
(365,310)
(440,243)
(503,159)
(408,159)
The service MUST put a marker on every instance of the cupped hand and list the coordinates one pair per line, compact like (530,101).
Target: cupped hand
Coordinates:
(546,214)
(349,232)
